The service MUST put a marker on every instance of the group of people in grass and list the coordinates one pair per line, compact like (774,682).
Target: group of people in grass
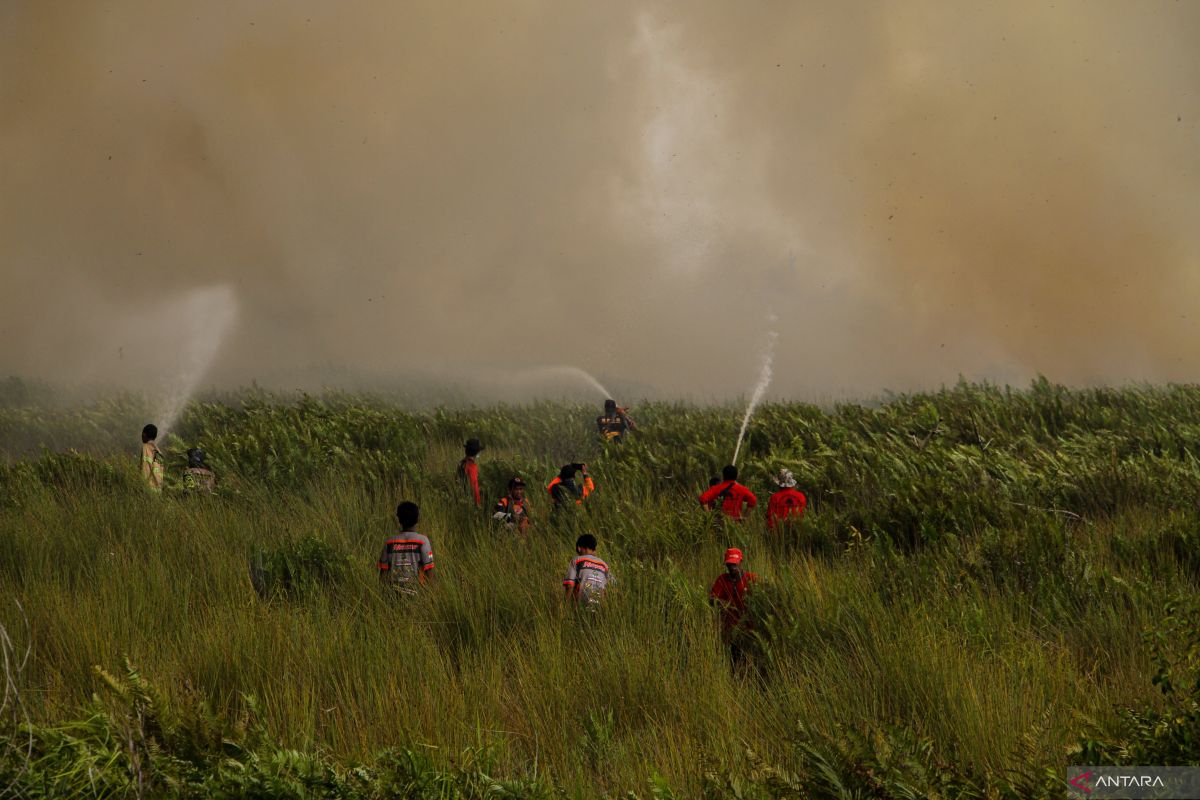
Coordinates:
(198,477)
(406,561)
(407,558)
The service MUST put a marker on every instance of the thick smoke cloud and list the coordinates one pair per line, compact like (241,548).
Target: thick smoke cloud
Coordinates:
(370,190)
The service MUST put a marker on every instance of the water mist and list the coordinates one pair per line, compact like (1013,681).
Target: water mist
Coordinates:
(760,388)
(572,373)
(203,318)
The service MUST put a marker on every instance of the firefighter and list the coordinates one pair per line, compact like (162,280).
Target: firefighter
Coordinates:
(407,558)
(468,470)
(733,498)
(512,510)
(198,478)
(787,505)
(588,576)
(728,594)
(153,466)
(564,491)
(614,422)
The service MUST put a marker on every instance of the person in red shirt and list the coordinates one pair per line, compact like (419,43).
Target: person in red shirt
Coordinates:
(733,496)
(786,506)
(728,594)
(468,470)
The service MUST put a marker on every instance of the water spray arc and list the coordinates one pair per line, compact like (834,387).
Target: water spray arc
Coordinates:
(573,373)
(206,316)
(760,388)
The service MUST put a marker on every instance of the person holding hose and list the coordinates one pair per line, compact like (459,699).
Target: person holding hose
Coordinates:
(731,497)
(614,422)
(153,467)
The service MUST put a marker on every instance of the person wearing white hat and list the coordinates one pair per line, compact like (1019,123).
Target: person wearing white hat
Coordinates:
(787,505)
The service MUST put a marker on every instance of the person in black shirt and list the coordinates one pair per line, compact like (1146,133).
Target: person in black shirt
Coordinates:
(614,422)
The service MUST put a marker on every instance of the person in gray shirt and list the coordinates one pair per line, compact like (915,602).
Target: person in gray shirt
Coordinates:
(407,558)
(588,576)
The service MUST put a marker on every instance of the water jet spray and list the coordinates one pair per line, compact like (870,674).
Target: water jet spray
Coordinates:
(574,373)
(760,388)
(203,318)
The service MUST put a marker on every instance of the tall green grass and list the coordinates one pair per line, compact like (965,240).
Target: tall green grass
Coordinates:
(965,603)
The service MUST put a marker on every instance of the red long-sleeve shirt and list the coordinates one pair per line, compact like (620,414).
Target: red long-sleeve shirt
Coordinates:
(785,504)
(468,472)
(735,497)
(730,597)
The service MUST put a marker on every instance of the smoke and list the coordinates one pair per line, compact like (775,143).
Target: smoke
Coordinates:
(920,190)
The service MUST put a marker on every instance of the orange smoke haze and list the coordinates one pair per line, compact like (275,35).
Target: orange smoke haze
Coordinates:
(467,190)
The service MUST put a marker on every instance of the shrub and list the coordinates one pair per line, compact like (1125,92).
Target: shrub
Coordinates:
(297,569)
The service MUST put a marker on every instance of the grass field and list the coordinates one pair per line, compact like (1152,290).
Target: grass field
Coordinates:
(990,585)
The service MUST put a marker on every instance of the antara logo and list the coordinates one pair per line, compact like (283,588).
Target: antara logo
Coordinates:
(1126,781)
(1080,782)
(1086,783)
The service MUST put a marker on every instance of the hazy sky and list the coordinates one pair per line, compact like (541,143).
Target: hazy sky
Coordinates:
(351,191)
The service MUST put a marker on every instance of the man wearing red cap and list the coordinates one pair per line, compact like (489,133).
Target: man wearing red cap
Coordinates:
(728,593)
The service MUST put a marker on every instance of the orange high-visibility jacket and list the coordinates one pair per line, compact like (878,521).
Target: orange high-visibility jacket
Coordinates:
(587,488)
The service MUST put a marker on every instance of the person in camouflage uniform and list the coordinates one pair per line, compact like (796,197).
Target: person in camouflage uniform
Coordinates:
(198,478)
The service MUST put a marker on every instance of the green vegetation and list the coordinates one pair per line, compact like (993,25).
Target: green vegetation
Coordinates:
(990,585)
